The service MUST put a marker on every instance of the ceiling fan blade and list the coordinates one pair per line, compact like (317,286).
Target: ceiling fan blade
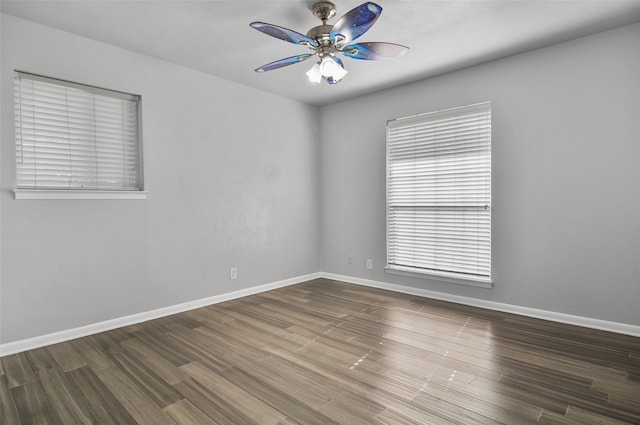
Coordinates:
(283,33)
(375,51)
(355,22)
(284,62)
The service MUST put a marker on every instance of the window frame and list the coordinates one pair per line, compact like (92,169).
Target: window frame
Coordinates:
(412,270)
(81,193)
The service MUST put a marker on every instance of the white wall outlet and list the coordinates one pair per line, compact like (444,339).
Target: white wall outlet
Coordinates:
(233,273)
(350,259)
(369,264)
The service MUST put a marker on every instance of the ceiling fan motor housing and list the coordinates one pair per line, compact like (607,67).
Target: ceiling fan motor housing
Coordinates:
(321,34)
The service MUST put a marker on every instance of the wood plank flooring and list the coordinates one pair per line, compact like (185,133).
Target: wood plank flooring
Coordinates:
(325,352)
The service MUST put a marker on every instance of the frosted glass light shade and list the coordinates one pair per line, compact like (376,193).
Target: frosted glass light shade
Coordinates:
(314,74)
(329,69)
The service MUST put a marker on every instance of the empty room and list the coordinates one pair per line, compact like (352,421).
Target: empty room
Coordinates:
(277,212)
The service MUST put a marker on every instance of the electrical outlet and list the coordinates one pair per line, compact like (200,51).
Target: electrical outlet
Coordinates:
(369,264)
(350,259)
(233,273)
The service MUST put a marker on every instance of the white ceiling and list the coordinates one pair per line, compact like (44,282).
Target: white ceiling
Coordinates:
(214,36)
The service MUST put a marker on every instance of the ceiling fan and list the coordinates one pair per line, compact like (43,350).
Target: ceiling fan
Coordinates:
(326,41)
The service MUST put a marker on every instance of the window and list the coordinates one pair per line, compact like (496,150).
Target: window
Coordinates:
(439,194)
(73,137)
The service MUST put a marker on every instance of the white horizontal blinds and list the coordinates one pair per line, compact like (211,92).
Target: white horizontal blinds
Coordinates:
(70,136)
(439,193)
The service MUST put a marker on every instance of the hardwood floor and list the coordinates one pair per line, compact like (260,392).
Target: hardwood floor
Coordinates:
(325,352)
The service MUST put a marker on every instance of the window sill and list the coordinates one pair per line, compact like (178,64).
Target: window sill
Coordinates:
(443,277)
(77,194)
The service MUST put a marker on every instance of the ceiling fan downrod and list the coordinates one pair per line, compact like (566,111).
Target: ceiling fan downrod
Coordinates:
(323,10)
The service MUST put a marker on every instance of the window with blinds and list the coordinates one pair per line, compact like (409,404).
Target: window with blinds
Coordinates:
(75,137)
(439,193)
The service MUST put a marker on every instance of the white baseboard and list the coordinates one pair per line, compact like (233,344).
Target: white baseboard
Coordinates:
(621,328)
(66,335)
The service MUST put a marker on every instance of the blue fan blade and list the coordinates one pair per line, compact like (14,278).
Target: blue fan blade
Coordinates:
(355,22)
(284,62)
(374,51)
(283,33)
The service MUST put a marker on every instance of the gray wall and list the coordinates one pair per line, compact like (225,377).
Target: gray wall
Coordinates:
(229,185)
(566,176)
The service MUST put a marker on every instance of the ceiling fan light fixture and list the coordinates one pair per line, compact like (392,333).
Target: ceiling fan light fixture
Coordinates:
(328,66)
(339,74)
(329,69)
(314,74)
